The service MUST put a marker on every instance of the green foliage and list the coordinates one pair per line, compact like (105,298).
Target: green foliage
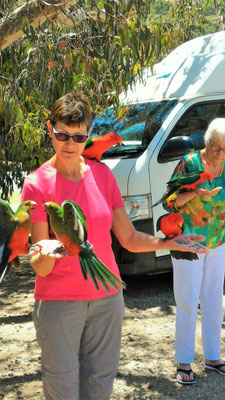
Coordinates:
(99,57)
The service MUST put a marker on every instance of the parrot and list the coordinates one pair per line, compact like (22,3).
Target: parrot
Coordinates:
(187,182)
(68,222)
(14,233)
(172,225)
(97,145)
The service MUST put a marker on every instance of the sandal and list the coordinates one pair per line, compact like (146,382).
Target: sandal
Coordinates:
(185,371)
(216,367)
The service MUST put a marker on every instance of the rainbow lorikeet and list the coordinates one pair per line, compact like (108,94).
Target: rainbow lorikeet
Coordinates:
(68,222)
(97,145)
(187,182)
(14,233)
(172,225)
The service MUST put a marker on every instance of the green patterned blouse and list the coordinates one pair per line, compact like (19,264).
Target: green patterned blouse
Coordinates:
(202,215)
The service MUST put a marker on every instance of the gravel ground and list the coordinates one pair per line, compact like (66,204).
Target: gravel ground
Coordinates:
(146,369)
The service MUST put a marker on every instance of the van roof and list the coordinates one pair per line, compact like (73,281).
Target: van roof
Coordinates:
(193,69)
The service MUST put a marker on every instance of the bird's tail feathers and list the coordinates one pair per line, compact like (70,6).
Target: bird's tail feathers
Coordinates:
(92,266)
(4,265)
(15,263)
(3,273)
(164,197)
(107,275)
(183,255)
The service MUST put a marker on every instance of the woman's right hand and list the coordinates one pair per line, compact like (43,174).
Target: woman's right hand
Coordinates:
(207,193)
(49,248)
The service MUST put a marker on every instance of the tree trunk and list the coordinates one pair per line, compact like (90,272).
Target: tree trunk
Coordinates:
(35,12)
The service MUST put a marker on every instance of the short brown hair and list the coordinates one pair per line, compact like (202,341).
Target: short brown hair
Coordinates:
(71,109)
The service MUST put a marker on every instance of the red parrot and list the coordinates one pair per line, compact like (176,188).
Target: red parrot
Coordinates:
(187,182)
(14,233)
(172,225)
(97,145)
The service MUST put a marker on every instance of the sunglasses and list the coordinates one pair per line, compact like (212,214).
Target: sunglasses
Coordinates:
(64,137)
(215,148)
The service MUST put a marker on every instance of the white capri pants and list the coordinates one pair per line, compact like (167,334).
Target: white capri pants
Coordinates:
(80,346)
(193,280)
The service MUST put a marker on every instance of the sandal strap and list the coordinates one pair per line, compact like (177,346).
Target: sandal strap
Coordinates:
(185,371)
(216,365)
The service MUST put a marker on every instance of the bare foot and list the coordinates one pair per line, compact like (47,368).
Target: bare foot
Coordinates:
(213,363)
(185,377)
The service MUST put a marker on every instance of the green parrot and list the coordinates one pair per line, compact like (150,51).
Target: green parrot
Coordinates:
(187,182)
(68,222)
(14,233)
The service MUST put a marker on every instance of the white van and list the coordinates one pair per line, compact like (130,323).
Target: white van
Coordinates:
(164,116)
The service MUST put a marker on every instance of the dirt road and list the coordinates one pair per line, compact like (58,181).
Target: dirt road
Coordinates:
(146,369)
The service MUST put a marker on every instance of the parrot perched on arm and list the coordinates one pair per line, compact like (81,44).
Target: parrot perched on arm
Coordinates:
(15,228)
(68,222)
(187,182)
(172,225)
(97,145)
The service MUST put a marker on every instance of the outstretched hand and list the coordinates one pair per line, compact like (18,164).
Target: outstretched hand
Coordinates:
(50,248)
(188,243)
(207,193)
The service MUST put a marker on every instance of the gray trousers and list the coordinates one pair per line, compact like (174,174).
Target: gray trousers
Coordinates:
(80,346)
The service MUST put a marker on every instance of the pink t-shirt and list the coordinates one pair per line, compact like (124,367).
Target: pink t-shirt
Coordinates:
(98,195)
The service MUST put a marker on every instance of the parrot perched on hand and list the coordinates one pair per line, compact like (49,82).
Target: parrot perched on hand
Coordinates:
(172,225)
(187,182)
(97,145)
(15,228)
(68,222)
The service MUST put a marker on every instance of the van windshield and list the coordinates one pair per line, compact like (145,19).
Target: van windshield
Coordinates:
(136,123)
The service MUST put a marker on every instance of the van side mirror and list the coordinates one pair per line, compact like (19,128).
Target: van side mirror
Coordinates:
(175,148)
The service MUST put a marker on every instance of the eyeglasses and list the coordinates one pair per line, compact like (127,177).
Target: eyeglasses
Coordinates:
(215,148)
(64,137)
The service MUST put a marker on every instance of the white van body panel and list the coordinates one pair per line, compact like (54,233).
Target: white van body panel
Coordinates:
(193,69)
(121,170)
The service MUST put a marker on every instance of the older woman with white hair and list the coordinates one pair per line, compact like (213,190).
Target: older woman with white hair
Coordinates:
(203,210)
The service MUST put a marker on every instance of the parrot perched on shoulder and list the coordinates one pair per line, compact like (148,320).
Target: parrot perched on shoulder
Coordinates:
(68,222)
(172,225)
(187,182)
(15,228)
(97,145)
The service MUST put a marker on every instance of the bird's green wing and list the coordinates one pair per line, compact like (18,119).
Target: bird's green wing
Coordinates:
(158,223)
(8,222)
(188,179)
(72,213)
(88,143)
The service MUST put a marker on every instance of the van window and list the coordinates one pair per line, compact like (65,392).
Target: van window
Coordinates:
(196,120)
(136,123)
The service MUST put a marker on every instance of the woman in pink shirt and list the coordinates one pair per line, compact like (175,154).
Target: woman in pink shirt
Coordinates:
(79,327)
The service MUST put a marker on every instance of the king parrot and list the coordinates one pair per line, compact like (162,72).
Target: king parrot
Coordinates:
(14,233)
(187,182)
(68,222)
(172,225)
(97,145)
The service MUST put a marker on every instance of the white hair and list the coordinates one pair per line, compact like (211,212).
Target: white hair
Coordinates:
(216,131)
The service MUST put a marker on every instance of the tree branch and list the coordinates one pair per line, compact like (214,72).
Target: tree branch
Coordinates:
(35,12)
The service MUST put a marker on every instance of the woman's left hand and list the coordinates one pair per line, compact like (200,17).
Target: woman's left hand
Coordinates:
(207,193)
(188,243)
